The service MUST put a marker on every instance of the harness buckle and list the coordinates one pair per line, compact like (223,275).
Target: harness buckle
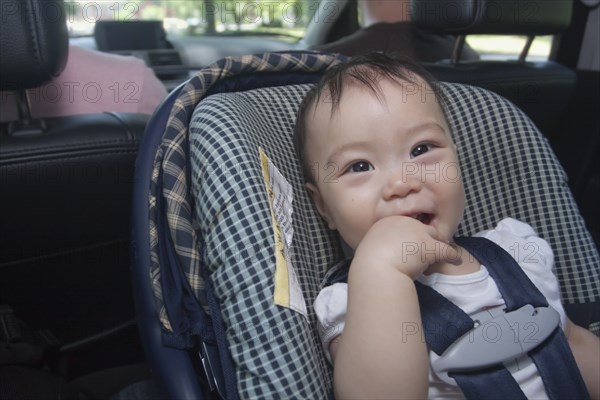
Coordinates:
(497,338)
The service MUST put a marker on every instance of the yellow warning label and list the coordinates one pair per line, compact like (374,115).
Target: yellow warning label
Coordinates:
(287,290)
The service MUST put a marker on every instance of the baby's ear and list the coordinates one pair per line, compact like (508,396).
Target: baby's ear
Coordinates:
(316,197)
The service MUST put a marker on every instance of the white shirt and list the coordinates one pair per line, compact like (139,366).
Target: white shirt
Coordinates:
(472,293)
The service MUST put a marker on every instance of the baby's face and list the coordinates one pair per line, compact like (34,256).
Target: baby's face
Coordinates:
(373,159)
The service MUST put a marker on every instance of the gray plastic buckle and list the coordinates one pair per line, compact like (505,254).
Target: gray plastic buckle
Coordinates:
(498,340)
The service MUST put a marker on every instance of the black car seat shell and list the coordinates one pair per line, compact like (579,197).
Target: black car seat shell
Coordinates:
(66,189)
(34,43)
(542,89)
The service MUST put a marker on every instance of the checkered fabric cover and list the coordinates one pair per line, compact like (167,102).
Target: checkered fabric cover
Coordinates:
(275,349)
(170,200)
(224,223)
(170,180)
(508,170)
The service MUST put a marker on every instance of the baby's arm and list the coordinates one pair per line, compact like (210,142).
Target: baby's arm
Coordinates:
(373,358)
(586,350)
(381,353)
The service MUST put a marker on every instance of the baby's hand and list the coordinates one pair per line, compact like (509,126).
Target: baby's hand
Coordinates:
(406,244)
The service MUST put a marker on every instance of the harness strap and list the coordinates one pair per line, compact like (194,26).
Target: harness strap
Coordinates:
(493,384)
(444,322)
(513,284)
(552,358)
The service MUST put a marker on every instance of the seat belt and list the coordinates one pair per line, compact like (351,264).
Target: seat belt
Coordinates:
(444,324)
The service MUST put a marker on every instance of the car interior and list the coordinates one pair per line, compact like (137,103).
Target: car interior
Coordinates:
(58,173)
(71,320)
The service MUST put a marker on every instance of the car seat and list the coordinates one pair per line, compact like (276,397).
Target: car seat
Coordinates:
(230,252)
(541,88)
(66,185)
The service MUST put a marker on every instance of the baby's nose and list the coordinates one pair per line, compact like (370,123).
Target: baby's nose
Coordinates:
(402,182)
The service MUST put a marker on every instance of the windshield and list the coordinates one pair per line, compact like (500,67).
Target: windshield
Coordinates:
(197,17)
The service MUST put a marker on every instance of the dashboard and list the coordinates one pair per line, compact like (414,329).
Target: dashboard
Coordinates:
(184,55)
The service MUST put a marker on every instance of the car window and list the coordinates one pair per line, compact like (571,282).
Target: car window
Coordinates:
(502,47)
(198,17)
(510,46)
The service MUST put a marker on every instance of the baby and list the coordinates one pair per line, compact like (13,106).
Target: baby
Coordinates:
(369,136)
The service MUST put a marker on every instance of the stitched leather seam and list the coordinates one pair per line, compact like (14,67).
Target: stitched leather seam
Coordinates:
(33,35)
(82,146)
(45,160)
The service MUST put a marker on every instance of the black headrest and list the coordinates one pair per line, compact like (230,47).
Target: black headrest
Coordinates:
(512,17)
(34,42)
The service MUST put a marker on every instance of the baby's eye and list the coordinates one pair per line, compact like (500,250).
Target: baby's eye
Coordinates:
(360,166)
(420,149)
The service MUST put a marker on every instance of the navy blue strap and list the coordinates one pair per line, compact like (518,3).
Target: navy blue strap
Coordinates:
(566,381)
(338,273)
(444,322)
(490,384)
(513,284)
(553,359)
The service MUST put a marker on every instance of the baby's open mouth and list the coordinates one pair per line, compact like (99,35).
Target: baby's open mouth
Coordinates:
(423,218)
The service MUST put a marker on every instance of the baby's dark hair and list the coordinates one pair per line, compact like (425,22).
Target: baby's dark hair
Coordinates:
(366,71)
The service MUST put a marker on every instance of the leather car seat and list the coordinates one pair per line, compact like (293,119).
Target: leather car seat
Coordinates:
(542,89)
(66,189)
